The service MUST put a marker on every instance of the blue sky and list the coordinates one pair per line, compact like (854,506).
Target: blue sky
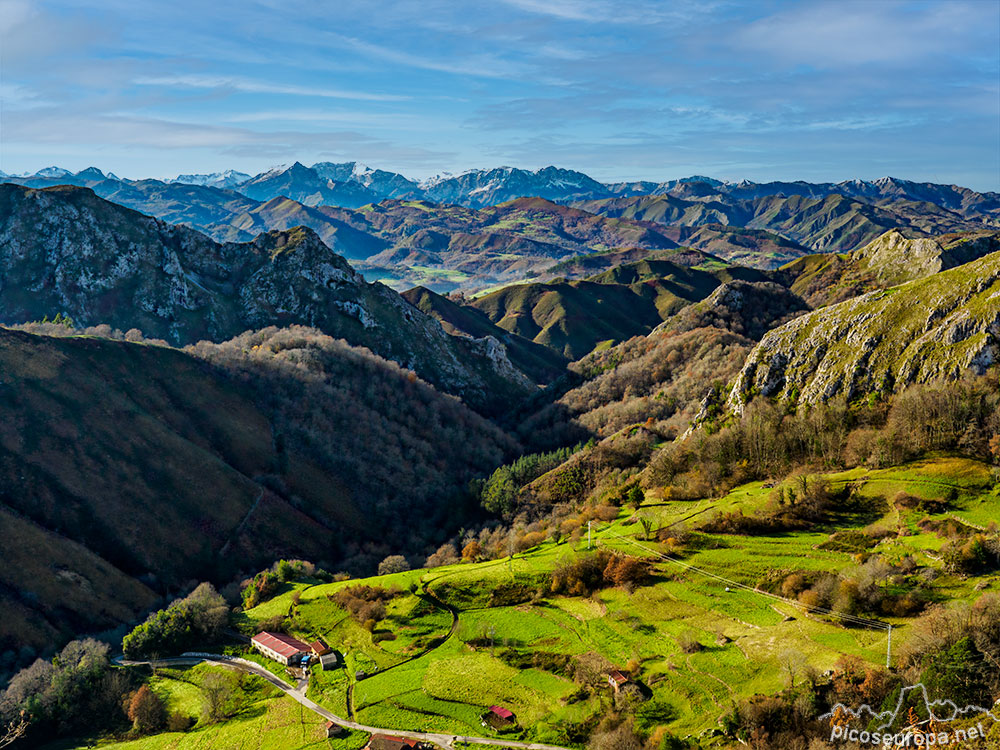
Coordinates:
(621,90)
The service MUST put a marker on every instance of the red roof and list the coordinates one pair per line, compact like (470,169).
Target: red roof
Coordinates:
(319,647)
(618,677)
(281,643)
(503,713)
(379,741)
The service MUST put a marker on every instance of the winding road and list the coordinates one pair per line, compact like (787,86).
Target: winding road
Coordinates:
(446,741)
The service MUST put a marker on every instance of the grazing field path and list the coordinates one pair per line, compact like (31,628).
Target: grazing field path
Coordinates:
(447,741)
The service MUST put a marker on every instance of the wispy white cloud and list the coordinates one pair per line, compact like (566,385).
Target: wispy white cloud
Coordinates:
(853,32)
(573,10)
(125,131)
(198,81)
(355,118)
(480,65)
(644,12)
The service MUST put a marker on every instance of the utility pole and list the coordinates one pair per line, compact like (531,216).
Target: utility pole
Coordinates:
(888,648)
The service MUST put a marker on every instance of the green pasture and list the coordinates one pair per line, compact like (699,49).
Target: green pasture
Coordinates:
(426,676)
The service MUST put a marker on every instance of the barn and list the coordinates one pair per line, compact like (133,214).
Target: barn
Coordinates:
(280,647)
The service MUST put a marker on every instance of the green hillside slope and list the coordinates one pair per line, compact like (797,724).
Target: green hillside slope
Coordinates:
(940,326)
(539,362)
(130,469)
(572,317)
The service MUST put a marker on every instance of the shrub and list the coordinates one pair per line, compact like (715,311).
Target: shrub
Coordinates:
(393,564)
(595,570)
(364,602)
(688,642)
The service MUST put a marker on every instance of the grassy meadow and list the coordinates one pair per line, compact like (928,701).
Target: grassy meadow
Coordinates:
(459,638)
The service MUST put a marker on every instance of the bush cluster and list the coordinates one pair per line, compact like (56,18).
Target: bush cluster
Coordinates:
(195,621)
(596,570)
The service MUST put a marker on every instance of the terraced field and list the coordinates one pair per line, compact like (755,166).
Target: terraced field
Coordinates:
(460,638)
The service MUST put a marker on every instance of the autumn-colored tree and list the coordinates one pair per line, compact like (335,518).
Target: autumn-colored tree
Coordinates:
(471,551)
(625,571)
(793,585)
(446,554)
(529,540)
(146,710)
(995,448)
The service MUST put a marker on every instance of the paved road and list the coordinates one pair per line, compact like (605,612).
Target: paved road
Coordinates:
(447,741)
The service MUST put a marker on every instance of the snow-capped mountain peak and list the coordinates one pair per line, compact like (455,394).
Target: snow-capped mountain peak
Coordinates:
(53,173)
(227,179)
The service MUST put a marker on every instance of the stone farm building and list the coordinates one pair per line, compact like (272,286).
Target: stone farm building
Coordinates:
(280,647)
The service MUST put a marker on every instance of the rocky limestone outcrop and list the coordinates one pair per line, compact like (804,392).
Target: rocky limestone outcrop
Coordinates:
(748,308)
(938,327)
(64,250)
(894,258)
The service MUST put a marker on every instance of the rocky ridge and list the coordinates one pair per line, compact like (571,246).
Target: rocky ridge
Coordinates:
(64,250)
(937,327)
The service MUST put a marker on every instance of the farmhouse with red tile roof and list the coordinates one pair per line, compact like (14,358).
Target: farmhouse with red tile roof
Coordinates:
(278,646)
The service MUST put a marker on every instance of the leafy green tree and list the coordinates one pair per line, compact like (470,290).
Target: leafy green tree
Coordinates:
(959,674)
(635,496)
(196,619)
(500,492)
(285,571)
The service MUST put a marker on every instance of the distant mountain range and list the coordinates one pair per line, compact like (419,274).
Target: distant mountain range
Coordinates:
(351,185)
(488,227)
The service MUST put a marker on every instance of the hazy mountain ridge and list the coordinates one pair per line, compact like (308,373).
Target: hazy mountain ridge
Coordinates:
(827,223)
(406,238)
(64,250)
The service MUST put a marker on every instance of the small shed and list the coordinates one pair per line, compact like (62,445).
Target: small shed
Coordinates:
(334,730)
(618,679)
(499,717)
(329,661)
(319,647)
